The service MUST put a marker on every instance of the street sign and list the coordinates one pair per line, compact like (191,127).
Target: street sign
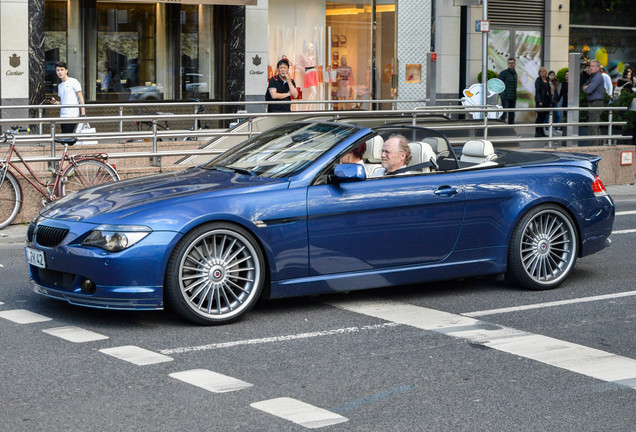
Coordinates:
(482,26)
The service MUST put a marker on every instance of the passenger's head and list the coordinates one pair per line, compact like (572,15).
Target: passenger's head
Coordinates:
(395,153)
(354,155)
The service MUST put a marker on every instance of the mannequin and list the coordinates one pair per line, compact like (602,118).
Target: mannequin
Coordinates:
(344,76)
(307,63)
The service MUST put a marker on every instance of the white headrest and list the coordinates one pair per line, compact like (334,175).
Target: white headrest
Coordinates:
(478,151)
(478,148)
(416,153)
(373,153)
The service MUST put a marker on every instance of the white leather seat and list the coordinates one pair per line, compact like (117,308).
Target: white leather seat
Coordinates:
(421,152)
(478,151)
(373,155)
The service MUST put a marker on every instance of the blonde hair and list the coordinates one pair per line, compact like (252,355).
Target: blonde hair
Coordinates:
(542,68)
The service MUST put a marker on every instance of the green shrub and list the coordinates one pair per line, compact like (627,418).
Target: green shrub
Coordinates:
(561,75)
(491,74)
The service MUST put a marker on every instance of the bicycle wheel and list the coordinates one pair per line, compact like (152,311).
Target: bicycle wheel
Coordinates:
(10,198)
(86,173)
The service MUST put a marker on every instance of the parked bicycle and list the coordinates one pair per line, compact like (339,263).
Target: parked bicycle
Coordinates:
(73,173)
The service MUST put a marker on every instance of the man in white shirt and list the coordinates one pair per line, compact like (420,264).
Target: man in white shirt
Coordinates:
(607,82)
(70,93)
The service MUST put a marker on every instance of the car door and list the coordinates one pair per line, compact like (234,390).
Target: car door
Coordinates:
(381,223)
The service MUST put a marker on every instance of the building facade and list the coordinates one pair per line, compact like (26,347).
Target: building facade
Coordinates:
(341,50)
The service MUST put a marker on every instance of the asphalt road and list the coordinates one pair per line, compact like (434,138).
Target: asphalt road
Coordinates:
(413,358)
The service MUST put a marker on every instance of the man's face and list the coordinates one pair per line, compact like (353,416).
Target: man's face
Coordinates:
(392,157)
(61,72)
(511,64)
(594,67)
(282,70)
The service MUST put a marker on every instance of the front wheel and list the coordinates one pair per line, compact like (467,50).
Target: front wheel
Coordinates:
(10,197)
(543,248)
(215,274)
(86,173)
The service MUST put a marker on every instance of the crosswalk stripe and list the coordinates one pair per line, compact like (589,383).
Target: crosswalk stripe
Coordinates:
(22,316)
(136,355)
(299,412)
(211,381)
(75,334)
(576,358)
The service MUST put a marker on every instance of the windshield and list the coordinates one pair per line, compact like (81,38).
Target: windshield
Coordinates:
(284,151)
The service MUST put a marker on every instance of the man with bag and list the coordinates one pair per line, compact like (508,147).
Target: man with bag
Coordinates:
(70,93)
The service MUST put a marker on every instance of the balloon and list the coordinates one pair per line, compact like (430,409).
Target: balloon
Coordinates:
(601,56)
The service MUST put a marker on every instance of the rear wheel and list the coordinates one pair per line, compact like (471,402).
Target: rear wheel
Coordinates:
(543,248)
(86,173)
(215,274)
(10,198)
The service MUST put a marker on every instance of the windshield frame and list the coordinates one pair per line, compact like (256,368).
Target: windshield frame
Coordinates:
(283,151)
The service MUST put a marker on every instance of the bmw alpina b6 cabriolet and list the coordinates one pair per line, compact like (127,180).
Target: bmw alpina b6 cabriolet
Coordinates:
(280,216)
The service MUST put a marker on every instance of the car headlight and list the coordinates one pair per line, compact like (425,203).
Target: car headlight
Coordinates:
(115,238)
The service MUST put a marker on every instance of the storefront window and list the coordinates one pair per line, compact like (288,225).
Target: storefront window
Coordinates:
(525,47)
(196,48)
(605,31)
(126,52)
(55,43)
(330,45)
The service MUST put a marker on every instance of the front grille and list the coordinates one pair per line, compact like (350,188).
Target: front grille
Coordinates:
(49,236)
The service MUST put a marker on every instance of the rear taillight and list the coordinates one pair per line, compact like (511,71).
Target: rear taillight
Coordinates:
(598,187)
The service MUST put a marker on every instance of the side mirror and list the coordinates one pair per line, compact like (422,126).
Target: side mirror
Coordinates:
(344,173)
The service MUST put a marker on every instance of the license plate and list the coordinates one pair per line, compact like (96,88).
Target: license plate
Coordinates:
(35,257)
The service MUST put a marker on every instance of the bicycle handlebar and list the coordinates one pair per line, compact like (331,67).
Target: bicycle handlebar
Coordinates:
(11,132)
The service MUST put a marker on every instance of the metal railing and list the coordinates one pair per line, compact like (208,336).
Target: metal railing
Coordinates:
(416,116)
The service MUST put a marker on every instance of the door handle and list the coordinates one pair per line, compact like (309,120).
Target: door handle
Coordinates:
(446,191)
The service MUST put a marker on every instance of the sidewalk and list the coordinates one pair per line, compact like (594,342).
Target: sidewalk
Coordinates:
(16,233)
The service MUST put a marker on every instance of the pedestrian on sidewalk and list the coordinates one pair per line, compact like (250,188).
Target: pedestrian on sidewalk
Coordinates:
(70,93)
(509,95)
(594,90)
(542,99)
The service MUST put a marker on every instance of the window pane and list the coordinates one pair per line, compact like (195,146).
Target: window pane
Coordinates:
(195,52)
(126,52)
(55,46)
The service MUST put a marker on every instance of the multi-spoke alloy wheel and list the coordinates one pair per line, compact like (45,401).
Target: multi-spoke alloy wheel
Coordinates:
(543,248)
(215,274)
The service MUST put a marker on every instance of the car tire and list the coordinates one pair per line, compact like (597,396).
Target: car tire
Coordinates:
(215,274)
(543,248)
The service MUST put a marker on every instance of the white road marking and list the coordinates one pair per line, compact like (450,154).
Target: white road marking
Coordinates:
(587,361)
(75,334)
(627,231)
(628,212)
(549,304)
(1,302)
(210,381)
(136,355)
(299,412)
(22,316)
(344,330)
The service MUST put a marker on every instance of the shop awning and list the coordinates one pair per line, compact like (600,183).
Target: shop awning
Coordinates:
(196,2)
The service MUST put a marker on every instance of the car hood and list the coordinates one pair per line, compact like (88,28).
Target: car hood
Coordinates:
(130,196)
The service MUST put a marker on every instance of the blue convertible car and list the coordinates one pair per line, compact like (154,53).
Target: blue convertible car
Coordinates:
(279,216)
